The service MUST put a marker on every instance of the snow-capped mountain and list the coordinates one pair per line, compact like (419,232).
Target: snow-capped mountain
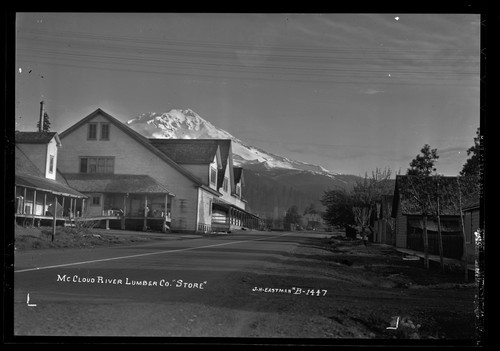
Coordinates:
(274,183)
(187,124)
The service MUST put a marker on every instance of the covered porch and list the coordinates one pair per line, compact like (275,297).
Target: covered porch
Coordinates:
(41,201)
(127,202)
(227,217)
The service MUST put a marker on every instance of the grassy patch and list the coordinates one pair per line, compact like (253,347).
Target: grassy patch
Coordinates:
(29,238)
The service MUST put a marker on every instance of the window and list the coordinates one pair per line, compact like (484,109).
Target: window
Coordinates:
(210,207)
(51,164)
(83,165)
(224,184)
(92,131)
(238,189)
(104,131)
(97,165)
(213,175)
(96,200)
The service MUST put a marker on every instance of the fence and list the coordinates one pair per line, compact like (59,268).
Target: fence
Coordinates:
(452,243)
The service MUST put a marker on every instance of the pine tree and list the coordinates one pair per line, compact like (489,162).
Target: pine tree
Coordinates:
(424,164)
(422,167)
(471,166)
(46,123)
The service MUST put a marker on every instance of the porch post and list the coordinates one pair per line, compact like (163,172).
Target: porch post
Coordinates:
(24,202)
(165,214)
(145,226)
(54,220)
(63,206)
(44,204)
(124,211)
(83,208)
(33,209)
(70,209)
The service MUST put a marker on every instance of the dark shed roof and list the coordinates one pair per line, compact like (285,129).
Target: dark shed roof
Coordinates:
(472,202)
(23,164)
(115,183)
(34,137)
(188,151)
(407,186)
(45,184)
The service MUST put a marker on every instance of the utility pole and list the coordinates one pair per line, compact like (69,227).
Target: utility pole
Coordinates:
(40,127)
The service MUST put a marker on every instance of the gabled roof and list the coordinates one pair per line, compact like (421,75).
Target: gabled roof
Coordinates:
(197,151)
(36,137)
(407,187)
(28,175)
(141,140)
(115,183)
(188,151)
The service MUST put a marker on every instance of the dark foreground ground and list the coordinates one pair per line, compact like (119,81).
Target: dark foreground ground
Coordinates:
(371,293)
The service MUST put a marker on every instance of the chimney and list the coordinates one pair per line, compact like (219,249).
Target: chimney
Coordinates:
(40,128)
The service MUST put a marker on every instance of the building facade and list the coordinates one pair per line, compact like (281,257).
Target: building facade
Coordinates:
(42,195)
(414,196)
(142,182)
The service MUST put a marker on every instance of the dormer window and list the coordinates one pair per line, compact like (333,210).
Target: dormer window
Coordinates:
(92,131)
(213,175)
(224,184)
(51,164)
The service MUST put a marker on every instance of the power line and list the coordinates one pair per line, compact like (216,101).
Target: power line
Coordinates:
(214,59)
(270,78)
(139,42)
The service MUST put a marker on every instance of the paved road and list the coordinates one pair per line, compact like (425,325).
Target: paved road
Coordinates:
(107,291)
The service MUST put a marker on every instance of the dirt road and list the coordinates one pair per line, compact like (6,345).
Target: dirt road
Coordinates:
(296,286)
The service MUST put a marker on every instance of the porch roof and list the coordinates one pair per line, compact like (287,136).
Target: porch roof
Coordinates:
(116,183)
(226,205)
(45,184)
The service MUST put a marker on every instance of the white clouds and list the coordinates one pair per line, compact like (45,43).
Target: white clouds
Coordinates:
(371,91)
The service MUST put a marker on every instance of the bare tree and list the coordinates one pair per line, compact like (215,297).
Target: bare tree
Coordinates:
(366,193)
(418,189)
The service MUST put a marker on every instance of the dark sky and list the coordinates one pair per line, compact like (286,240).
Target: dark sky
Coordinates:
(348,92)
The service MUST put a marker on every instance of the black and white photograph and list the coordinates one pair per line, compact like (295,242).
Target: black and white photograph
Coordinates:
(247,178)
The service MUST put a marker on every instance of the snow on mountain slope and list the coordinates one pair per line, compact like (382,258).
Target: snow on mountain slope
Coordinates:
(187,124)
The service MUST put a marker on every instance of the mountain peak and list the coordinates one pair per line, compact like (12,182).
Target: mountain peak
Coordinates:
(176,124)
